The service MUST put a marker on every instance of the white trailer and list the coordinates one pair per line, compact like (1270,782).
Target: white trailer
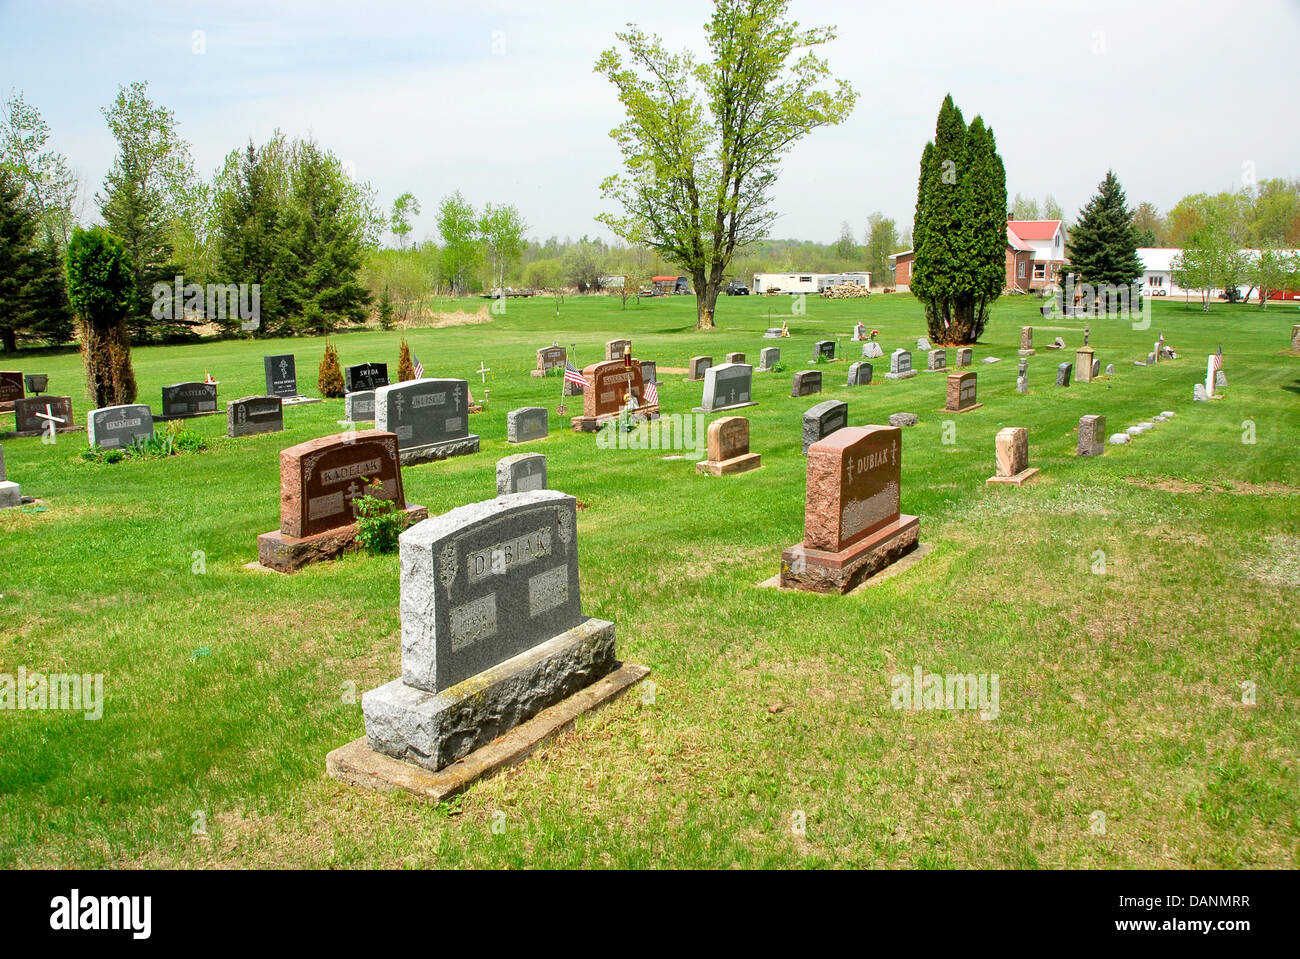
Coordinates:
(806,282)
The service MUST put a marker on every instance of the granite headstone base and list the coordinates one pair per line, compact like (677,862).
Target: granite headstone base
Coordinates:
(434,730)
(431,452)
(905,375)
(819,571)
(11,494)
(594,424)
(737,464)
(288,554)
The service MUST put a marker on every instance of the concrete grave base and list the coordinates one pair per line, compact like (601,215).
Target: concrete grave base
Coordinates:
(11,494)
(159,418)
(592,424)
(1020,479)
(1026,352)
(968,409)
(359,765)
(26,434)
(737,464)
(723,409)
(298,400)
(825,572)
(288,554)
(434,730)
(900,376)
(439,451)
(889,572)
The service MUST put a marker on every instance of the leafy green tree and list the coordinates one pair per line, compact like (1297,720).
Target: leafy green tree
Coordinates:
(404,207)
(1103,243)
(250,202)
(43,174)
(144,193)
(959,231)
(882,240)
(502,230)
(1023,208)
(846,246)
(459,228)
(323,236)
(702,141)
(101,288)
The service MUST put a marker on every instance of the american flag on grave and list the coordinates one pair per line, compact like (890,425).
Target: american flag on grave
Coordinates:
(419,368)
(1218,359)
(650,394)
(573,375)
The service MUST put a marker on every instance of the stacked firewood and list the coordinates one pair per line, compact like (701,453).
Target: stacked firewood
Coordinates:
(845,291)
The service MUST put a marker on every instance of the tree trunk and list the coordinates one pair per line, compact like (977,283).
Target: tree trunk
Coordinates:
(11,341)
(706,298)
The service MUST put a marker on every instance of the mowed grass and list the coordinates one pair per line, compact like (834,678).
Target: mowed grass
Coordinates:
(1120,693)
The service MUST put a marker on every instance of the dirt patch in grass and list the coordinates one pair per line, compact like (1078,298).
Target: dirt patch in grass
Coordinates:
(1168,484)
(1279,564)
(432,319)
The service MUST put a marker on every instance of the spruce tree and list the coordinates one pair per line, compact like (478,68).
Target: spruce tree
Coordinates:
(1103,243)
(33,293)
(101,289)
(330,376)
(250,199)
(405,368)
(959,232)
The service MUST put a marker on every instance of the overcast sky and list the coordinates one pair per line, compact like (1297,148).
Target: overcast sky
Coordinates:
(499,100)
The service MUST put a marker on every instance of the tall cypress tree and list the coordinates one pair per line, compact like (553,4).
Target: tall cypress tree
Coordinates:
(959,232)
(1103,243)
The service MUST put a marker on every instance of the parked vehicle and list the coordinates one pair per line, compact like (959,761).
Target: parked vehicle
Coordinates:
(736,288)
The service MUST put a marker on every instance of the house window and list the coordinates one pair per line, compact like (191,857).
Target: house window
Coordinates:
(1022,269)
(1040,271)
(805,279)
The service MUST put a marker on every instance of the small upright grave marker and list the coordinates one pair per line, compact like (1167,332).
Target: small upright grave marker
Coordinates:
(727,387)
(1011,449)
(860,373)
(254,414)
(1092,433)
(806,382)
(728,445)
(961,392)
(900,366)
(521,473)
(527,424)
(822,420)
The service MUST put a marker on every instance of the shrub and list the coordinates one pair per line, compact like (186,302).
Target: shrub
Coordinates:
(405,368)
(379,522)
(100,289)
(330,379)
(385,310)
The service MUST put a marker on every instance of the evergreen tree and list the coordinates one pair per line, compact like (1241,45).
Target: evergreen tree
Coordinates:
(405,368)
(33,294)
(249,213)
(330,376)
(386,311)
(1103,244)
(101,289)
(959,231)
(324,231)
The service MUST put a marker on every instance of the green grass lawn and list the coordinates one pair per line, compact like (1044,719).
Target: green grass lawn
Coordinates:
(1120,693)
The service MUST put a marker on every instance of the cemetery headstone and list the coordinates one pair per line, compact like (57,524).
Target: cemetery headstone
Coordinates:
(727,387)
(11,493)
(735,357)
(117,427)
(1096,368)
(11,388)
(1110,369)
(1119,439)
(359,407)
(871,350)
(823,420)
(903,419)
(936,361)
(923,345)
(860,373)
(30,414)
(492,628)
(1063,374)
(964,356)
(614,349)
(182,400)
(806,382)
(1011,449)
(1295,337)
(319,480)
(769,358)
(1022,377)
(281,375)
(852,524)
(527,424)
(728,446)
(1057,344)
(1083,364)
(550,358)
(1092,429)
(697,367)
(991,359)
(824,349)
(961,392)
(649,372)
(608,383)
(1026,341)
(900,366)
(521,473)
(429,417)
(1220,379)
(365,376)
(254,414)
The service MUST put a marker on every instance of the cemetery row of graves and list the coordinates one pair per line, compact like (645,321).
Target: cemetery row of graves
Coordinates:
(780,563)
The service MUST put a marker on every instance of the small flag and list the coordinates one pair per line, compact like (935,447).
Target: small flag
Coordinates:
(419,367)
(651,394)
(1218,359)
(571,375)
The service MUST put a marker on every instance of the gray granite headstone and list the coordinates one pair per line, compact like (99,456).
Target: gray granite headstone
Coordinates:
(521,473)
(735,358)
(860,373)
(1220,379)
(365,376)
(936,360)
(281,375)
(1096,368)
(727,386)
(900,365)
(806,382)
(527,424)
(1091,430)
(359,407)
(430,418)
(964,356)
(188,399)
(903,419)
(116,427)
(1198,393)
(769,358)
(649,371)
(254,414)
(698,365)
(871,350)
(823,420)
(1063,374)
(923,344)
(824,349)
(1022,377)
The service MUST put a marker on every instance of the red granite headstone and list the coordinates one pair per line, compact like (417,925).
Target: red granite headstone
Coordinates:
(853,485)
(320,478)
(607,384)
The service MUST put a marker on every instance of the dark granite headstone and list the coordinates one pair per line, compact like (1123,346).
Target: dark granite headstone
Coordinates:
(823,420)
(254,414)
(281,375)
(365,376)
(188,399)
(116,427)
